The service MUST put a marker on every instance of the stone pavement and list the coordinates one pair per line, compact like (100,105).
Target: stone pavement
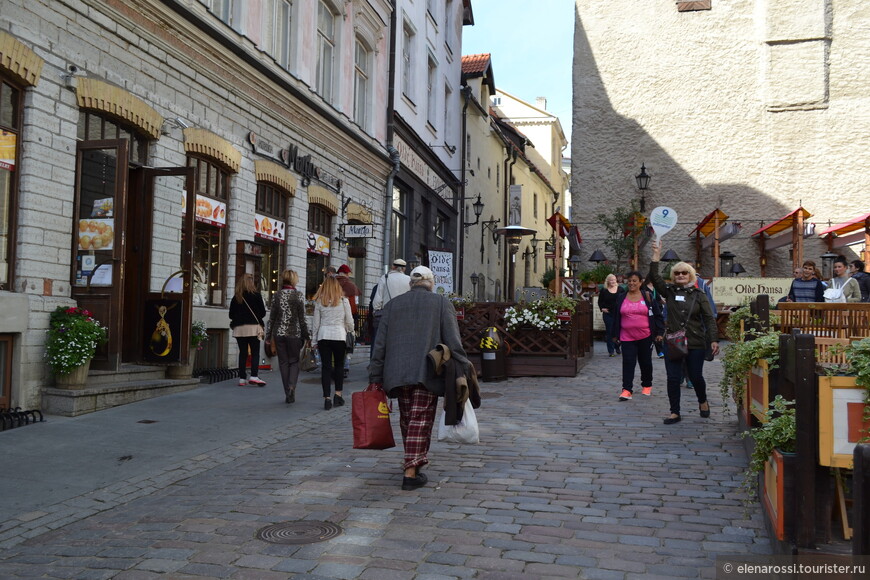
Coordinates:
(567,482)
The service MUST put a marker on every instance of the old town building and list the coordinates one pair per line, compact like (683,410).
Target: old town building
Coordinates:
(755,109)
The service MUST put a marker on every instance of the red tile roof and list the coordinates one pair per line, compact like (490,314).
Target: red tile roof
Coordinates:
(475,63)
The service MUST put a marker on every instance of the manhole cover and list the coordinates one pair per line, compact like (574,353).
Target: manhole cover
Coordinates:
(490,395)
(307,532)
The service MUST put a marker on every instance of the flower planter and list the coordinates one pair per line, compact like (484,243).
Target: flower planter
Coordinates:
(778,492)
(841,420)
(76,379)
(760,389)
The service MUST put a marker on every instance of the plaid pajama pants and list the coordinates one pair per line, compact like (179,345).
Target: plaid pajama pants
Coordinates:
(417,408)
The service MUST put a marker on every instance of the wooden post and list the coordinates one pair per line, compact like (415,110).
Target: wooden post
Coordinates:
(716,265)
(861,500)
(558,262)
(807,408)
(797,237)
(763,258)
(866,251)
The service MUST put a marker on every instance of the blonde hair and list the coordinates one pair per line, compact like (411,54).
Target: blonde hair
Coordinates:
(608,277)
(290,277)
(244,285)
(693,275)
(329,293)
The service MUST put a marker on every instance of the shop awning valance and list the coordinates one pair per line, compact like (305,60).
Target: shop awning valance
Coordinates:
(708,225)
(273,173)
(358,213)
(859,223)
(321,195)
(782,224)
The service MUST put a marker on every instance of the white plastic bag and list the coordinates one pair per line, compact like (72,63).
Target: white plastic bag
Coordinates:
(466,431)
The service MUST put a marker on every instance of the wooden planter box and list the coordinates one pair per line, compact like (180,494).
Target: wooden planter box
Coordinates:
(841,420)
(530,352)
(777,493)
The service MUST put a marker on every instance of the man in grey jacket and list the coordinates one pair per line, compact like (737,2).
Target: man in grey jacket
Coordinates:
(412,324)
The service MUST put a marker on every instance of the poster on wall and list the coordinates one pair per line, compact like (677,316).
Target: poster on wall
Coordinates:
(208,211)
(441,264)
(268,228)
(7,151)
(96,234)
(318,244)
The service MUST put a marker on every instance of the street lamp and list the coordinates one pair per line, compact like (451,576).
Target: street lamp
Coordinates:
(597,256)
(474,279)
(828,264)
(726,261)
(478,209)
(670,256)
(737,269)
(513,235)
(642,184)
(574,266)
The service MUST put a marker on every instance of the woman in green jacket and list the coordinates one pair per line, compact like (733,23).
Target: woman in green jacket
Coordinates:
(689,309)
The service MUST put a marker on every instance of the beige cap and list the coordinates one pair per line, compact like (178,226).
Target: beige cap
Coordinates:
(422,272)
(399,262)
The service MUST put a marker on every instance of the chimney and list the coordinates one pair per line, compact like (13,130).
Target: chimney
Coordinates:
(541,103)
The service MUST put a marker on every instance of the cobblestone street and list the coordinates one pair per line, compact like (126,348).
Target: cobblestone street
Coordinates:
(566,482)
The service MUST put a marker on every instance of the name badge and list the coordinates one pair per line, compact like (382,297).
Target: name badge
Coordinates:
(680,298)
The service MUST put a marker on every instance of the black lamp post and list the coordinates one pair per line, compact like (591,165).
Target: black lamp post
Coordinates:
(726,261)
(478,209)
(574,265)
(597,256)
(828,264)
(642,179)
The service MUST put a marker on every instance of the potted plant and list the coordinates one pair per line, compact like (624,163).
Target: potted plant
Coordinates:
(773,455)
(739,359)
(73,337)
(198,335)
(539,314)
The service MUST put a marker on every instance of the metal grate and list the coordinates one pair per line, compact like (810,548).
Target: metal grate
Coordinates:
(303,532)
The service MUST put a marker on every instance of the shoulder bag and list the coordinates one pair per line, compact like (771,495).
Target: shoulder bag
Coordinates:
(261,332)
(676,342)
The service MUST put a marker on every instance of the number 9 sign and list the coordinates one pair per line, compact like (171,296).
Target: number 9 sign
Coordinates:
(663,219)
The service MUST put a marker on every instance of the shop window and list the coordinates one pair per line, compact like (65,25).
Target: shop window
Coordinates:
(209,246)
(10,125)
(95,127)
(317,258)
(270,226)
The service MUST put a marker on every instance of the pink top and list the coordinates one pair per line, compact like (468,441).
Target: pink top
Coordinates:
(634,320)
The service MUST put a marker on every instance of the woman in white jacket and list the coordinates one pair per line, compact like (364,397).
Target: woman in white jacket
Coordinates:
(332,321)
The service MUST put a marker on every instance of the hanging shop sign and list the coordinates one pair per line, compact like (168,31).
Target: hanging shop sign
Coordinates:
(290,158)
(269,228)
(318,244)
(441,264)
(357,230)
(734,291)
(162,330)
(7,151)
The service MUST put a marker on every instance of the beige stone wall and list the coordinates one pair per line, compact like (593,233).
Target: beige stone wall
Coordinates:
(755,107)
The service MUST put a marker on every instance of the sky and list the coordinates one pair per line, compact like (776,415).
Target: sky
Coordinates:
(532,46)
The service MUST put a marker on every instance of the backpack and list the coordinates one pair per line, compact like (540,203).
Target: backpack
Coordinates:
(834,293)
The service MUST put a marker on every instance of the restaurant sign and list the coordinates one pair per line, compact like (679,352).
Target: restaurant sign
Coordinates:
(735,291)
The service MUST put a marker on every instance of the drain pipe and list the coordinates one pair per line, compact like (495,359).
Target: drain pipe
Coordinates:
(392,151)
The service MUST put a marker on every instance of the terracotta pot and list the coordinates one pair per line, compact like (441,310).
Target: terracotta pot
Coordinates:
(76,379)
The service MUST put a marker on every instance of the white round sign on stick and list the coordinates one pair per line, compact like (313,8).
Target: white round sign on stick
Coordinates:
(662,219)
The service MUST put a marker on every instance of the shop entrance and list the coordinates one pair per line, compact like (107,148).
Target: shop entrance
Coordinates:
(128,243)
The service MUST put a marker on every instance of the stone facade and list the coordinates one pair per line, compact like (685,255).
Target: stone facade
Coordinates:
(754,107)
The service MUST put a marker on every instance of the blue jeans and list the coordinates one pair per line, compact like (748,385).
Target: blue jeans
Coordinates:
(695,368)
(637,352)
(608,332)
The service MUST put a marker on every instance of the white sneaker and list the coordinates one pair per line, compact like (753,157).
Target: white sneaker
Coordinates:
(243,383)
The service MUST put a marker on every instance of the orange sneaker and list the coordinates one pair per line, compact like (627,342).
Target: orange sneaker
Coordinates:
(646,391)
(625,395)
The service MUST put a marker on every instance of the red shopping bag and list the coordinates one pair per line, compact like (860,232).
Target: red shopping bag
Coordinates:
(371,419)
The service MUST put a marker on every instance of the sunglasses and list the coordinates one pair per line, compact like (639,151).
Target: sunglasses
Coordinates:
(681,273)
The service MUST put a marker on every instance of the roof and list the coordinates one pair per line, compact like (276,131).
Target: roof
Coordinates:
(783,224)
(708,224)
(848,227)
(475,64)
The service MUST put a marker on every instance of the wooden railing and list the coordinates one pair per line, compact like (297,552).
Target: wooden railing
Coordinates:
(833,320)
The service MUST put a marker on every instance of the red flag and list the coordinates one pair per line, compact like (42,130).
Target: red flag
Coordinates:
(564,226)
